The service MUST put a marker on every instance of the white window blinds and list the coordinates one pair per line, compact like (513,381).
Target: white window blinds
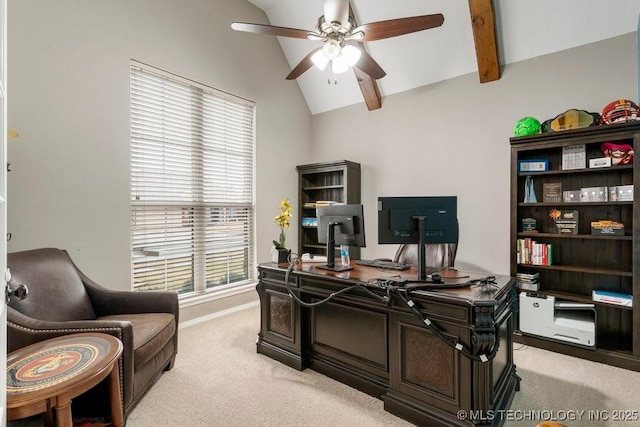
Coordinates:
(192,184)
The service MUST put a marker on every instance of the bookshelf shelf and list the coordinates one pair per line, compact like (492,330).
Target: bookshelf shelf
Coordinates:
(574,236)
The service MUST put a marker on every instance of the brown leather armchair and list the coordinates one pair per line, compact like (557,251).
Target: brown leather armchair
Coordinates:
(62,300)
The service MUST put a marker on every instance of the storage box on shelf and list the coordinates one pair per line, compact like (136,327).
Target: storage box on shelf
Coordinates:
(582,261)
(322,184)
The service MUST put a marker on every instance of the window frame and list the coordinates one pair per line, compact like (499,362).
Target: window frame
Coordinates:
(216,210)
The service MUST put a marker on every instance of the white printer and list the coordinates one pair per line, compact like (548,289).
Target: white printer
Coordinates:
(566,321)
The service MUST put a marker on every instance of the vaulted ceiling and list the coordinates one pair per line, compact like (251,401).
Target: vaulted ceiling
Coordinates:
(477,36)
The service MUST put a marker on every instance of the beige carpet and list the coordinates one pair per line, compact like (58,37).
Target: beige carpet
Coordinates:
(220,380)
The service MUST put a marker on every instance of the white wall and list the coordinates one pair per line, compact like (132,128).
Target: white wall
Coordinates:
(452,138)
(69,100)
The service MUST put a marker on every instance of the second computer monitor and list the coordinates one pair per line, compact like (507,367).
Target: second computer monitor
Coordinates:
(418,220)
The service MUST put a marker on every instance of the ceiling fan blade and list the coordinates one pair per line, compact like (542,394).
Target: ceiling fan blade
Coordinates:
(336,11)
(271,30)
(302,66)
(397,27)
(368,65)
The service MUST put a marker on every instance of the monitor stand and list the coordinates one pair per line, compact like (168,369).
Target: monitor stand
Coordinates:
(331,251)
(423,277)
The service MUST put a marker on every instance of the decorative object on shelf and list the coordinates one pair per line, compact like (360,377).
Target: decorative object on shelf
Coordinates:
(594,194)
(574,157)
(529,193)
(621,193)
(565,221)
(606,227)
(620,111)
(620,154)
(600,162)
(529,225)
(527,126)
(535,165)
(280,251)
(571,119)
(571,196)
(552,192)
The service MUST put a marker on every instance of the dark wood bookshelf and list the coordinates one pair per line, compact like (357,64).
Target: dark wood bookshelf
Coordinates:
(583,262)
(337,181)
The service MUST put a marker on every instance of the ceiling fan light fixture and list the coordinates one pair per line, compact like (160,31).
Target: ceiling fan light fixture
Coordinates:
(331,49)
(320,60)
(351,54)
(339,65)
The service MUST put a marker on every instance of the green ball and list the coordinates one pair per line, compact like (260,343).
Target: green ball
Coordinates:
(527,126)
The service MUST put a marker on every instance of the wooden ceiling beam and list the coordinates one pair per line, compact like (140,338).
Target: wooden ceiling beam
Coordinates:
(484,36)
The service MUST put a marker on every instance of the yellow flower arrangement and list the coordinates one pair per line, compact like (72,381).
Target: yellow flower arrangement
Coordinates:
(283,222)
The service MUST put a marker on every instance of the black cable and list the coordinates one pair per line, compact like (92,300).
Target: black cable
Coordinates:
(457,345)
(292,264)
(394,290)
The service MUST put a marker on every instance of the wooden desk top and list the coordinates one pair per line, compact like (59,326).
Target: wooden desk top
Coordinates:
(368,276)
(48,367)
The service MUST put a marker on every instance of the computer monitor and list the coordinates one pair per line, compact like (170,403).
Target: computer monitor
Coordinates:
(340,225)
(418,220)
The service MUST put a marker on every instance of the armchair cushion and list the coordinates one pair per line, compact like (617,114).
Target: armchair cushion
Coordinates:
(151,332)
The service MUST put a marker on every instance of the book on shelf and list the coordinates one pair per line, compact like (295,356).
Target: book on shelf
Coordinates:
(309,222)
(616,298)
(530,252)
(318,203)
(527,281)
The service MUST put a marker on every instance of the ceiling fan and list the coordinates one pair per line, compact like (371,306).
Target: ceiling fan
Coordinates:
(342,39)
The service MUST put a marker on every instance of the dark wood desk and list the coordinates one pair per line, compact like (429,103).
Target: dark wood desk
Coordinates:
(386,350)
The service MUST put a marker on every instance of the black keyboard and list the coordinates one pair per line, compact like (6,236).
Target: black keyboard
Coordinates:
(391,265)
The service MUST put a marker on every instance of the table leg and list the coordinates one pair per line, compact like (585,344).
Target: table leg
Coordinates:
(63,410)
(47,417)
(114,394)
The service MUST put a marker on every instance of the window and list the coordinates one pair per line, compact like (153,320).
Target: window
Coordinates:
(192,184)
